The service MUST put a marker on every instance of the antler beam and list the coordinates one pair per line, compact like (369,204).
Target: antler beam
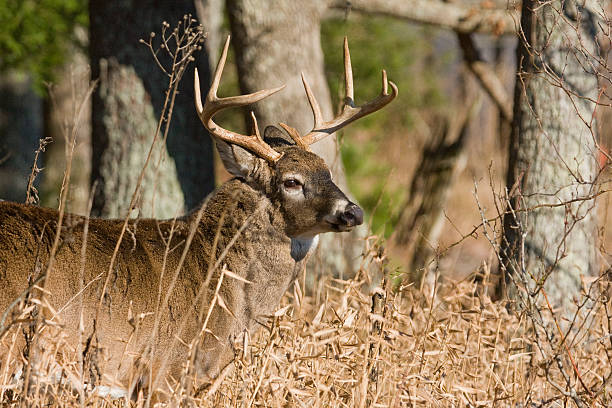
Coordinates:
(350,112)
(214,104)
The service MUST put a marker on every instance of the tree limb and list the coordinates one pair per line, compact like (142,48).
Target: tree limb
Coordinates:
(458,17)
(486,76)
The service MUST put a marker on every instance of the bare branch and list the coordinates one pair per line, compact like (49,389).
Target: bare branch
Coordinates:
(458,17)
(486,75)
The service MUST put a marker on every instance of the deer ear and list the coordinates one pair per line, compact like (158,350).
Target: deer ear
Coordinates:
(238,162)
(273,132)
(274,136)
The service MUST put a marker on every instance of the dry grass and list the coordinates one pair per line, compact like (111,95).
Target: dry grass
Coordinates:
(349,346)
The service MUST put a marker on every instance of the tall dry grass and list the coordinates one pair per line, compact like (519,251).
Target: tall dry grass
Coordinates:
(344,345)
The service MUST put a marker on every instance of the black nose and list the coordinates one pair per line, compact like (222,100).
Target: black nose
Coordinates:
(353,215)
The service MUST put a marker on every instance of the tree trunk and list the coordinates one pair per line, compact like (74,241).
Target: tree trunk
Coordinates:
(71,82)
(21,116)
(552,163)
(210,15)
(274,42)
(126,109)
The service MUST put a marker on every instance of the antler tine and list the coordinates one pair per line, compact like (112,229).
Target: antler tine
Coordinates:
(316,112)
(350,112)
(215,104)
(349,94)
(295,135)
(314,105)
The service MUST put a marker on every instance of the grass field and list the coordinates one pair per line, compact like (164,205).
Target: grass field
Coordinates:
(355,344)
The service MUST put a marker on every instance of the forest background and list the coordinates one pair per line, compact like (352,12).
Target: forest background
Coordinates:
(491,168)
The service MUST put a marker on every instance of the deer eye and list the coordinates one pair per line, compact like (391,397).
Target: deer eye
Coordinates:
(292,183)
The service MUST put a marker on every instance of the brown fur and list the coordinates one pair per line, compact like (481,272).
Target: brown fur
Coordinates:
(261,254)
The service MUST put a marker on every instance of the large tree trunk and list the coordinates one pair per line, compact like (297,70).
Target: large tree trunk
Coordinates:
(20,128)
(126,109)
(274,42)
(210,14)
(552,164)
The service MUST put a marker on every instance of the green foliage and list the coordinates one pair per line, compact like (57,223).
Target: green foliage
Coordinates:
(36,33)
(382,42)
(407,54)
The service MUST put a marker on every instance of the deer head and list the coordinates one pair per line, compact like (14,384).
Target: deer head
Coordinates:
(295,179)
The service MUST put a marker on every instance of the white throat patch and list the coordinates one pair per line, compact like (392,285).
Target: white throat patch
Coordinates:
(301,246)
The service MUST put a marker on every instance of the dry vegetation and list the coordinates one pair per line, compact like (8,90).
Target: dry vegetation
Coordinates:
(347,345)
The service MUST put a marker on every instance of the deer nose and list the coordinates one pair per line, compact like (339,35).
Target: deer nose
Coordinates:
(352,215)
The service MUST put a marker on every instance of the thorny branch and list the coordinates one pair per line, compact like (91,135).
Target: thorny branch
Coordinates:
(32,192)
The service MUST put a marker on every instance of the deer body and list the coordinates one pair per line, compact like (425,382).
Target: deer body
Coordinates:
(263,254)
(150,314)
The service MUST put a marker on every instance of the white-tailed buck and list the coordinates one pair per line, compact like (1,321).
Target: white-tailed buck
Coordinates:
(179,291)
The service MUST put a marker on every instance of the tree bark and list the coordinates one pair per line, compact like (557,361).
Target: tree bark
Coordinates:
(552,163)
(21,113)
(210,15)
(126,108)
(274,42)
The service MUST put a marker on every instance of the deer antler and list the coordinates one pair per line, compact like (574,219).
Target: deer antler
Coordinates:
(214,104)
(349,113)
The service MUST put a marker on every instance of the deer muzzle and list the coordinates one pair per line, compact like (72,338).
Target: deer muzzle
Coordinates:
(352,216)
(346,216)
